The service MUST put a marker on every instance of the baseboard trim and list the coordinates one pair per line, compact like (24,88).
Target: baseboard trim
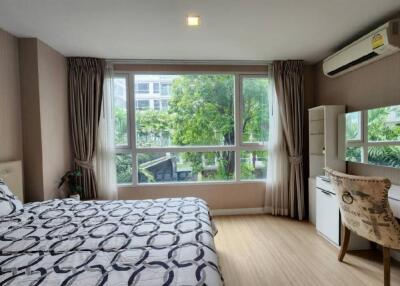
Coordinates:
(242,211)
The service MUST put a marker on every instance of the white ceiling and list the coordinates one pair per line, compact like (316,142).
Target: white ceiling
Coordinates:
(230,29)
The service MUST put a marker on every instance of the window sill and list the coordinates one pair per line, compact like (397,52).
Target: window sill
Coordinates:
(175,184)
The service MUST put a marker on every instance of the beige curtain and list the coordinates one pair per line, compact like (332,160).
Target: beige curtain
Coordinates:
(289,85)
(276,196)
(85,89)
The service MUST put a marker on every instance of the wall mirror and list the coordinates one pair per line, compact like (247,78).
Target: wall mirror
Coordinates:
(373,136)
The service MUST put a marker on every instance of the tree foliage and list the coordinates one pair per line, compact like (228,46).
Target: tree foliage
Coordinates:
(201,109)
(380,129)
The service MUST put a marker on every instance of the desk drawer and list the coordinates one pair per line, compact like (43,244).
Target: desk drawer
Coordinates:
(324,184)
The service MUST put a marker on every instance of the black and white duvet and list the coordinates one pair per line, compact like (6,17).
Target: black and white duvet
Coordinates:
(148,242)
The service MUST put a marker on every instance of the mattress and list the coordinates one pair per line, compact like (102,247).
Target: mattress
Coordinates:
(147,242)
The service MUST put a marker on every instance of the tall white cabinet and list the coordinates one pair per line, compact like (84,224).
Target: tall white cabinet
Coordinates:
(324,147)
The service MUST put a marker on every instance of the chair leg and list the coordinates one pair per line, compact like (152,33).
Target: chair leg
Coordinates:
(344,242)
(386,265)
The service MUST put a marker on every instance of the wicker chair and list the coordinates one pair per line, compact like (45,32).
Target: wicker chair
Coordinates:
(365,210)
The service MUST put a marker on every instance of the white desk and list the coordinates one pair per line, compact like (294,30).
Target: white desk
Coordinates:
(328,214)
(394,200)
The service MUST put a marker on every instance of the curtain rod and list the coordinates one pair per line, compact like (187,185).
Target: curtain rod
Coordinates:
(188,62)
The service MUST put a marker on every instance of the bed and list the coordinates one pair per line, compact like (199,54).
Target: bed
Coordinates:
(146,242)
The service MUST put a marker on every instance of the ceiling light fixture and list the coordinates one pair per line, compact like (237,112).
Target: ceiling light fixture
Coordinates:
(193,21)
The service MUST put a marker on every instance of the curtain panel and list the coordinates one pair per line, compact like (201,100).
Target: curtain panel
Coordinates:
(105,165)
(85,91)
(276,197)
(289,85)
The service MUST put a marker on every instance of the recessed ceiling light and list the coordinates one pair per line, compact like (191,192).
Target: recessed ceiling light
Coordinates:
(193,20)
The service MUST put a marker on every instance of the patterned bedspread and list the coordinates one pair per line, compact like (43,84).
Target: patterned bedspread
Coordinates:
(148,242)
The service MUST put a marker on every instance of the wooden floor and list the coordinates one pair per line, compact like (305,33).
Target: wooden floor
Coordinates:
(266,250)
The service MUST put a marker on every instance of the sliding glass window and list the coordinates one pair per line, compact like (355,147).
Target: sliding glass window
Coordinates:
(198,128)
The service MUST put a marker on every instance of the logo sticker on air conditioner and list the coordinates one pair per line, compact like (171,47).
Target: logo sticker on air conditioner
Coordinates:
(377,41)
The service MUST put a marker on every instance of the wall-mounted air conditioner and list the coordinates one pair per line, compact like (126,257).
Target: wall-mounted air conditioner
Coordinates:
(376,45)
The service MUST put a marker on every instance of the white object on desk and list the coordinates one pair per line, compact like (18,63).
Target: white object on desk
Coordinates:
(11,173)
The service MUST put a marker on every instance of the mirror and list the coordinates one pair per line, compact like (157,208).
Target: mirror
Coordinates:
(373,136)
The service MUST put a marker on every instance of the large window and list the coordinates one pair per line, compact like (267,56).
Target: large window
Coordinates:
(373,136)
(200,128)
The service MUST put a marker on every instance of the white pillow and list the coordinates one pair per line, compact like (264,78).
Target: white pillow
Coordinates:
(9,203)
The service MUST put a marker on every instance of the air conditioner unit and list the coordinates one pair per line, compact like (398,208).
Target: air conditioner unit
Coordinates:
(376,45)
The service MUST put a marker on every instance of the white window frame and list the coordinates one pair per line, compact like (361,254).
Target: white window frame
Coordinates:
(239,146)
(364,143)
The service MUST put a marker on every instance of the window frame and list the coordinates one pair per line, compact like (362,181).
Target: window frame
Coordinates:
(236,148)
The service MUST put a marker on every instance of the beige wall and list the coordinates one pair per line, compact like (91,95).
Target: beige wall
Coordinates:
(374,85)
(32,143)
(218,196)
(54,118)
(10,99)
(46,141)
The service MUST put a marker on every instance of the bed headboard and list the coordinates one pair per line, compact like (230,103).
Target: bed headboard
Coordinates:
(11,174)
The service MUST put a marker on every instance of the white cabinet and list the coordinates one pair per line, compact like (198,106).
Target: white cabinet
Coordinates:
(324,146)
(328,221)
(327,212)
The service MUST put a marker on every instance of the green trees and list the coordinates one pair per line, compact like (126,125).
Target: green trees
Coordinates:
(121,126)
(255,110)
(152,127)
(381,129)
(202,113)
